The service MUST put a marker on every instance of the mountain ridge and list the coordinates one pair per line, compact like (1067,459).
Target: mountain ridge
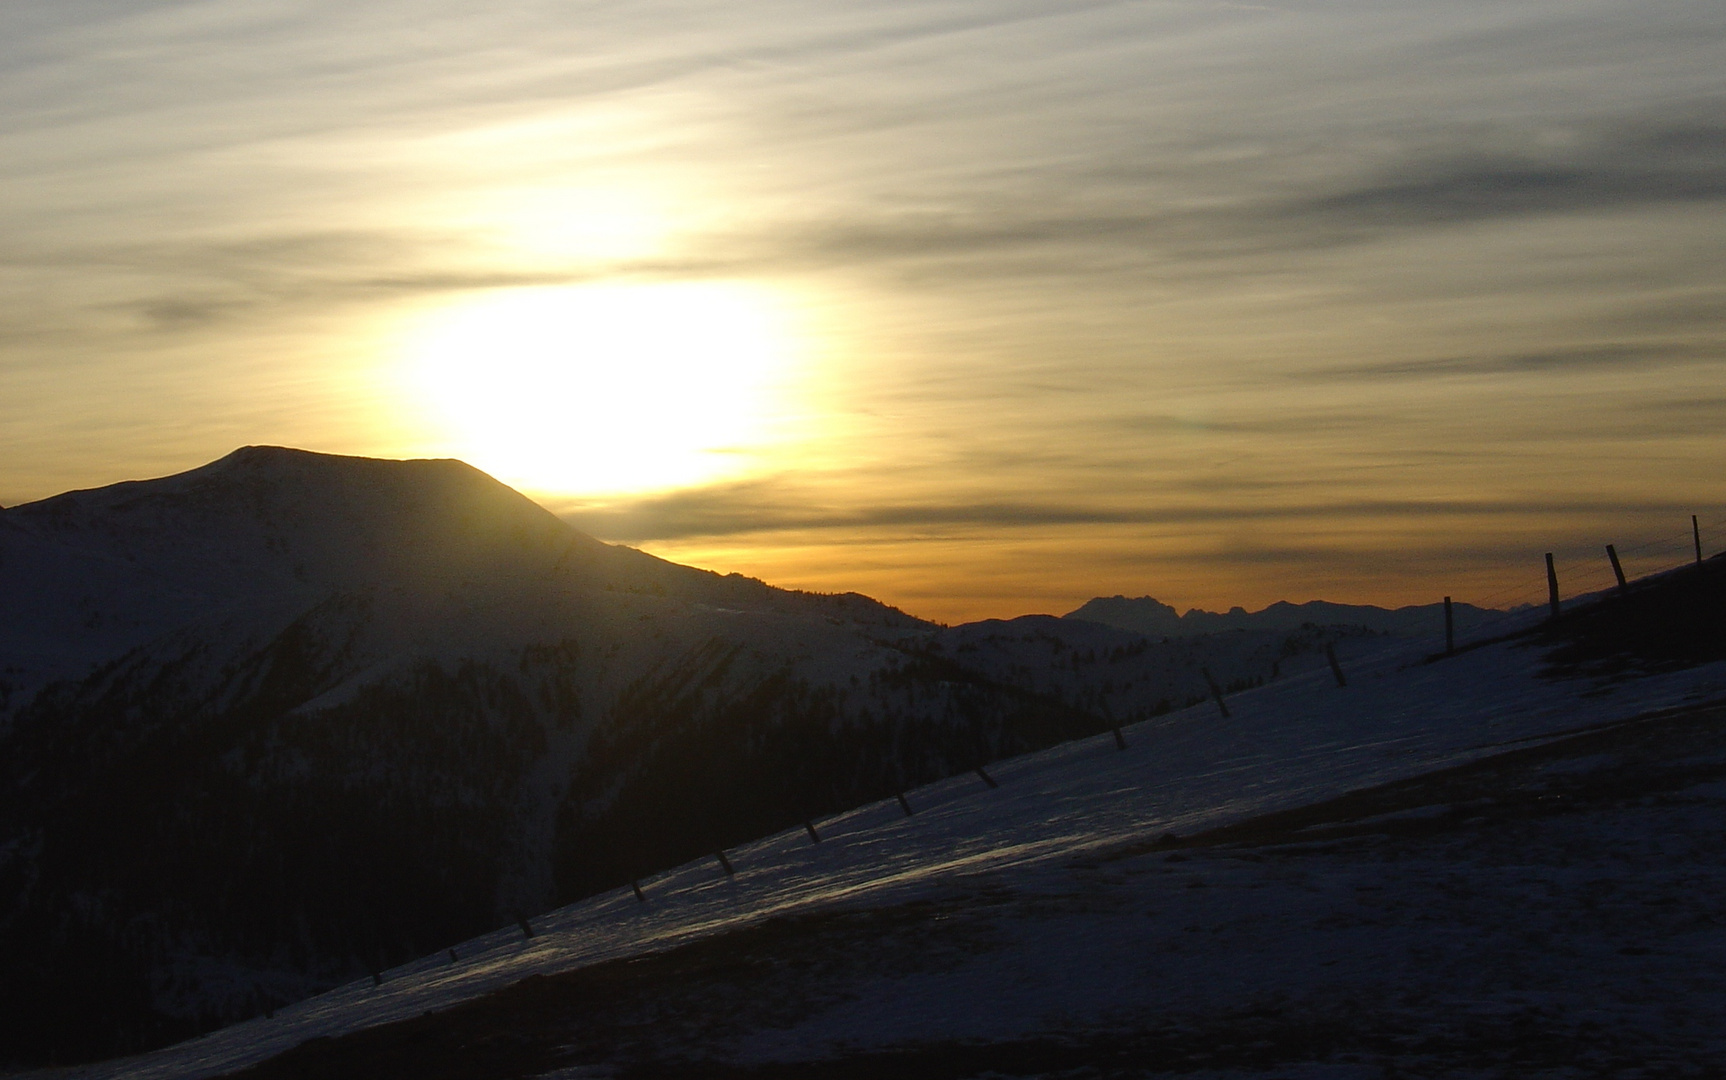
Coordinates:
(1149,616)
(250,709)
(1462,863)
(290,717)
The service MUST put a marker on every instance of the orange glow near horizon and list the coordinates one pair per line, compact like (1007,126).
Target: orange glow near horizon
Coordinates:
(966,313)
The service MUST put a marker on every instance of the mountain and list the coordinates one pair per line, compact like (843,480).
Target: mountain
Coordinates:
(290,718)
(250,709)
(1145,615)
(1125,676)
(1504,861)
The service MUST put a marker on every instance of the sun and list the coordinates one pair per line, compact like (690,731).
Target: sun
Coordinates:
(605,389)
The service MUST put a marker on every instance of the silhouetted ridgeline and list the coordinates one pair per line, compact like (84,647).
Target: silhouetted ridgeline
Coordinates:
(1144,615)
(289,718)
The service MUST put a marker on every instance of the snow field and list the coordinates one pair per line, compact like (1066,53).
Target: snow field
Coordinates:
(1288,744)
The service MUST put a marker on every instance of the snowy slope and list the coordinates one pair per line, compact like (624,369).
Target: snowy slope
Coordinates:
(1124,676)
(1289,744)
(245,708)
(88,575)
(277,720)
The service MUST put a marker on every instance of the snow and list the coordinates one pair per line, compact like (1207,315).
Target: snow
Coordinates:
(1065,923)
(1041,835)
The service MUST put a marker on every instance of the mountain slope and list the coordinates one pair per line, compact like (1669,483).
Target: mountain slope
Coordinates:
(252,708)
(289,717)
(1503,860)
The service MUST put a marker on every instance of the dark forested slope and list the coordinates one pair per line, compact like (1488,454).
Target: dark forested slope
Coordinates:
(290,717)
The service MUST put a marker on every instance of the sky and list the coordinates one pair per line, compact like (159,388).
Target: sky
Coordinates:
(981,308)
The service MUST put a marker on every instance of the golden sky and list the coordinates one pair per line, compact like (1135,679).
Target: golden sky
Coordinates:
(981,308)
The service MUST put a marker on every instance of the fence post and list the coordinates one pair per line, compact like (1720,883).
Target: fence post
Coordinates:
(1449,630)
(985,777)
(1109,719)
(526,930)
(724,863)
(809,827)
(1552,584)
(639,895)
(903,805)
(1617,568)
(1696,534)
(454,958)
(1335,668)
(1216,691)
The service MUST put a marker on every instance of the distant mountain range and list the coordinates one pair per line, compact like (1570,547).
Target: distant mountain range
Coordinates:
(1145,615)
(290,717)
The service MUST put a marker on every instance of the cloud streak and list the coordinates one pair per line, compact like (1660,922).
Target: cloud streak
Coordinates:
(1645,167)
(1615,172)
(1583,358)
(1093,269)
(756,508)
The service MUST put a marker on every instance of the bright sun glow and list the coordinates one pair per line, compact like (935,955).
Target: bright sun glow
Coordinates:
(606,388)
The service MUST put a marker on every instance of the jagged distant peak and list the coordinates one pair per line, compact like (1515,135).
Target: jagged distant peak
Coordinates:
(1146,615)
(1143,614)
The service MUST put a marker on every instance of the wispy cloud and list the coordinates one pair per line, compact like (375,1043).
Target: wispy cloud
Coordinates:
(1602,356)
(1125,267)
(764,507)
(1074,220)
(1616,170)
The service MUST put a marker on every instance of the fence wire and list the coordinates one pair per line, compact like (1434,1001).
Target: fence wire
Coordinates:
(1582,575)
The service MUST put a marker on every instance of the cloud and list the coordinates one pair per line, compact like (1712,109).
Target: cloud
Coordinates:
(1579,358)
(1703,416)
(958,143)
(1658,161)
(1113,267)
(171,314)
(1615,170)
(766,506)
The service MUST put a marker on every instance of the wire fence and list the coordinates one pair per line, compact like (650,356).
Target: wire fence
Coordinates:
(1578,576)
(1582,574)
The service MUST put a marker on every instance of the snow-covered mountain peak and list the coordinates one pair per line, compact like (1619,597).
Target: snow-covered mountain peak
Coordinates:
(89,575)
(263,511)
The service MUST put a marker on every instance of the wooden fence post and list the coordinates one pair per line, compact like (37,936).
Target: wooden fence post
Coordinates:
(1335,668)
(1696,534)
(639,895)
(1552,584)
(724,863)
(985,777)
(1216,691)
(903,805)
(1617,568)
(1109,719)
(809,827)
(454,958)
(1449,630)
(526,930)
